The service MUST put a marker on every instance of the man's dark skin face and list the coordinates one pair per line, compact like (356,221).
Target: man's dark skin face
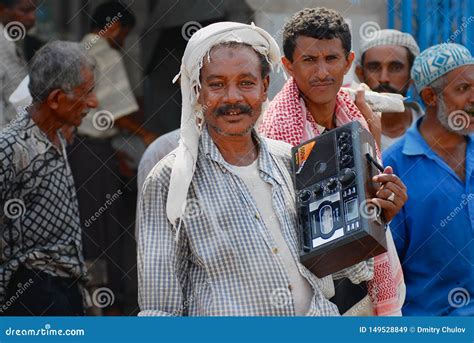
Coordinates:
(23,11)
(232,93)
(232,90)
(318,67)
(118,42)
(71,108)
(458,95)
(386,69)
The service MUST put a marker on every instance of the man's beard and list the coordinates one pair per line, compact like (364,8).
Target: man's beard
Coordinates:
(235,134)
(456,121)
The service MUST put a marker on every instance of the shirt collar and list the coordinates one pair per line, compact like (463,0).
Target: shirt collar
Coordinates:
(265,162)
(415,144)
(45,144)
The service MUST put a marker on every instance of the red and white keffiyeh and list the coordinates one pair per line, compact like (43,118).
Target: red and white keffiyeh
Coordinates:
(288,120)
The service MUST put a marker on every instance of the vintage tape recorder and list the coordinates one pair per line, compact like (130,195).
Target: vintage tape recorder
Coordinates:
(333,179)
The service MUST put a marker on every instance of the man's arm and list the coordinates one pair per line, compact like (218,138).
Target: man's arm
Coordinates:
(162,261)
(363,271)
(129,124)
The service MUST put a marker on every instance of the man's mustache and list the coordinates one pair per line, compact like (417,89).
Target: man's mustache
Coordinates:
(317,82)
(243,109)
(470,110)
(384,88)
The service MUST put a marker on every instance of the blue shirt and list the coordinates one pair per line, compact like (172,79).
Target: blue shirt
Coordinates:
(434,231)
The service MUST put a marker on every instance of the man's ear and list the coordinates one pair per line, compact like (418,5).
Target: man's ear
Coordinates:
(266,84)
(288,66)
(360,73)
(429,97)
(349,59)
(54,98)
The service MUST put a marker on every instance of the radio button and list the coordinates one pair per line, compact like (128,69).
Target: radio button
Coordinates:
(332,184)
(345,147)
(347,177)
(318,190)
(305,196)
(344,137)
(346,159)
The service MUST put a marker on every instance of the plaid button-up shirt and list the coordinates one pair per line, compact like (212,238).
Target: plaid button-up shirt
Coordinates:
(223,261)
(39,215)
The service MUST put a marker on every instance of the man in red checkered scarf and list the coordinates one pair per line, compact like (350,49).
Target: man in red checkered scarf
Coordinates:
(317,49)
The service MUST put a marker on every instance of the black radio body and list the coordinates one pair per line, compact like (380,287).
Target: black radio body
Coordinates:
(333,180)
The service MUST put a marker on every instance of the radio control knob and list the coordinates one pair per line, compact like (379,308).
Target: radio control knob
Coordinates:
(344,138)
(305,196)
(345,147)
(332,184)
(346,159)
(318,190)
(347,177)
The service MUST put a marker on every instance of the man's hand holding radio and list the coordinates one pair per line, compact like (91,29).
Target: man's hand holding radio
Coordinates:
(392,194)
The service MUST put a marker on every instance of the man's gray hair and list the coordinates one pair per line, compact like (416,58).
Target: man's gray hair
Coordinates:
(439,84)
(58,65)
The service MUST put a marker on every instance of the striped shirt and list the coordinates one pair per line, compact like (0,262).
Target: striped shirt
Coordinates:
(223,262)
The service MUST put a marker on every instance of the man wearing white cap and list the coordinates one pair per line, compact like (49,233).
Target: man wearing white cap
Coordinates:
(386,58)
(217,220)
(434,232)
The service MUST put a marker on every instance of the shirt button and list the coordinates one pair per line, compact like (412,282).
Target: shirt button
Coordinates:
(257,216)
(290,288)
(275,250)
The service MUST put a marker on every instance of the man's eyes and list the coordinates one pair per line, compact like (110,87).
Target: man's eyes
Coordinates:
(216,84)
(373,67)
(247,83)
(463,87)
(396,67)
(221,84)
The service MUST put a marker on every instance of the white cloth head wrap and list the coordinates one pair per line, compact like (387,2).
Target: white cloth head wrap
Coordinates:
(389,37)
(197,48)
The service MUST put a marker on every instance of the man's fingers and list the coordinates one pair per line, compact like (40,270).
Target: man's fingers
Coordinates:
(384,178)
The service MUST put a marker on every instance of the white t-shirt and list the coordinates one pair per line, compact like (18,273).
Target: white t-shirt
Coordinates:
(416,112)
(262,195)
(112,89)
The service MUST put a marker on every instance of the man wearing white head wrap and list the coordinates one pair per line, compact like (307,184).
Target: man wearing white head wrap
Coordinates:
(386,58)
(198,47)
(217,220)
